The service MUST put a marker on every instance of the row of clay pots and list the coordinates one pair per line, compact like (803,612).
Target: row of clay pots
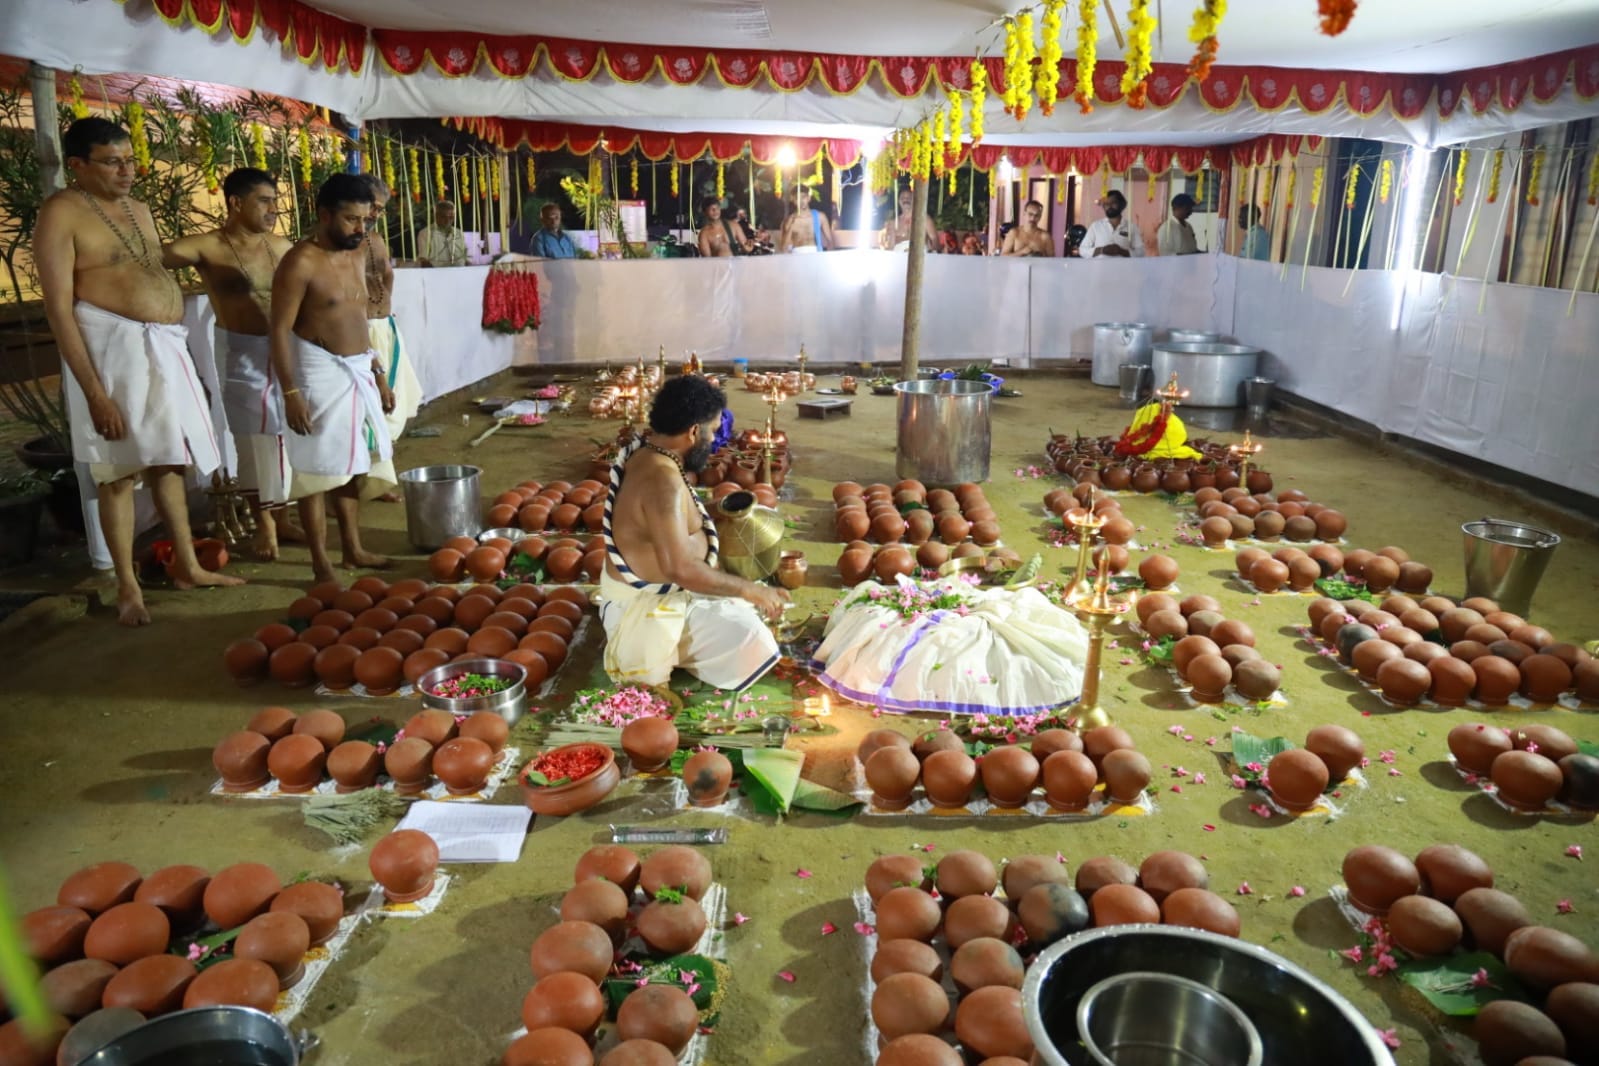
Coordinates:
(1399,647)
(564,1009)
(1134,476)
(1157,571)
(558,505)
(861,560)
(732,469)
(1211,652)
(1235,514)
(970,932)
(1298,569)
(1529,765)
(1068,767)
(565,558)
(873,513)
(1444,901)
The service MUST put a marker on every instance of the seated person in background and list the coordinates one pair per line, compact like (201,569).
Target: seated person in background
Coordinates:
(1257,238)
(971,244)
(441,244)
(664,600)
(742,224)
(1074,240)
(1028,238)
(551,241)
(807,231)
(1115,234)
(1176,236)
(718,237)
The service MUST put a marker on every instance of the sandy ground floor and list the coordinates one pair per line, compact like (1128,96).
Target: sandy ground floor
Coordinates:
(108,734)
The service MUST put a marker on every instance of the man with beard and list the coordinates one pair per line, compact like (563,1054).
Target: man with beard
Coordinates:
(335,392)
(384,333)
(664,601)
(1113,235)
(236,264)
(136,408)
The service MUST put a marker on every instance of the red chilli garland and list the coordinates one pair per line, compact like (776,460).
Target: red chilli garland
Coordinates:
(510,301)
(1141,440)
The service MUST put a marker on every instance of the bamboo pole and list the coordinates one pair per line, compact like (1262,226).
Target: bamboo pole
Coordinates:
(909,355)
(46,137)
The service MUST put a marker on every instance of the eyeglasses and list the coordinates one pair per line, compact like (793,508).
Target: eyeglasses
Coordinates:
(116,162)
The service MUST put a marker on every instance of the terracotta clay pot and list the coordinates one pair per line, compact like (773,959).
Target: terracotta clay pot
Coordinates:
(1525,780)
(649,743)
(153,985)
(1009,775)
(99,887)
(74,989)
(1449,871)
(240,892)
(297,762)
(892,772)
(976,917)
(326,726)
(404,863)
(1377,876)
(317,903)
(662,1013)
(676,866)
(463,764)
(409,763)
(707,775)
(432,725)
(234,982)
(1127,773)
(241,761)
(280,939)
(1476,745)
(488,727)
(905,1004)
(1164,872)
(180,893)
(54,935)
(354,765)
(1050,911)
(568,1001)
(581,795)
(1198,908)
(895,871)
(1338,747)
(1069,780)
(671,928)
(613,862)
(600,903)
(1297,778)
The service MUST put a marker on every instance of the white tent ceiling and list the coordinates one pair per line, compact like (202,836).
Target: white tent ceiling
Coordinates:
(1395,36)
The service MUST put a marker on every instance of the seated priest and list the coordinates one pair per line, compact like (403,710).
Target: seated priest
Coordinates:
(664,600)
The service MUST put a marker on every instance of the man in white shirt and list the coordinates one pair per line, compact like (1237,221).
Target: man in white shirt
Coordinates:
(441,244)
(1115,234)
(1176,236)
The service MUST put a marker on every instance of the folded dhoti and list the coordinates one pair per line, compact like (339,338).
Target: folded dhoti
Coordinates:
(720,640)
(146,369)
(347,427)
(384,335)
(252,398)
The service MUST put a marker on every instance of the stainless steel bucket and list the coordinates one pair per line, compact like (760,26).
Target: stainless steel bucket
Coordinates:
(1116,343)
(1213,374)
(1299,1018)
(203,1036)
(441,502)
(1257,395)
(945,436)
(1133,380)
(1505,560)
(1154,1019)
(1193,336)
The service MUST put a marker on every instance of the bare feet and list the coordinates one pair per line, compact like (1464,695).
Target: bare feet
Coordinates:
(130,607)
(199,578)
(389,497)
(264,545)
(323,573)
(289,532)
(365,560)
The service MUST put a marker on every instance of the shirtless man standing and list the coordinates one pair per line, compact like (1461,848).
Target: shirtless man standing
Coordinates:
(384,333)
(716,236)
(807,231)
(664,600)
(236,264)
(335,395)
(1028,238)
(896,235)
(136,407)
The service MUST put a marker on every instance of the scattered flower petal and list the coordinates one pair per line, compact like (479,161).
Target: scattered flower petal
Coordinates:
(802,873)
(1244,889)
(1389,1037)
(1353,954)
(1207,827)
(828,928)
(1296,891)
(1480,979)
(786,975)
(865,928)
(1575,851)
(739,918)
(1563,907)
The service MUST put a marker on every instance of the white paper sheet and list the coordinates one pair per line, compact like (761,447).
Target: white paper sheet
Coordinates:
(471,833)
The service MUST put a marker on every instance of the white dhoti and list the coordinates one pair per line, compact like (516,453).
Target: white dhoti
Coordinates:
(252,396)
(146,369)
(720,640)
(1004,652)
(384,336)
(347,427)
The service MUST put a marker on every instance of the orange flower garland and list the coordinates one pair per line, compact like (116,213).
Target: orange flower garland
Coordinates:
(1494,176)
(1207,20)
(1047,82)
(1535,179)
(1139,59)
(979,95)
(1087,53)
(1335,15)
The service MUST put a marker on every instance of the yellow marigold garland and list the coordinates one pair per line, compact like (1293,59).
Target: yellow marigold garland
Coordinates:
(1460,176)
(1335,15)
(498,187)
(335,149)
(1199,187)
(951,174)
(303,143)
(413,160)
(80,109)
(258,149)
(1318,178)
(1026,53)
(957,119)
(438,176)
(139,136)
(1140,61)
(721,181)
(208,156)
(1207,21)
(940,139)
(1593,180)
(1385,182)
(1293,181)
(1535,179)
(979,96)
(533,174)
(1012,50)
(483,185)
(1495,174)
(632,172)
(1047,83)
(388,165)
(463,179)
(1350,185)
(1087,53)
(993,181)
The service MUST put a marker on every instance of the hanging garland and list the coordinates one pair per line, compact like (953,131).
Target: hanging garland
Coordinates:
(673,185)
(208,155)
(1335,15)
(1385,182)
(388,165)
(1140,60)
(140,137)
(1013,49)
(1145,431)
(1293,180)
(1207,22)
(1460,176)
(1593,181)
(533,175)
(438,176)
(80,109)
(463,181)
(951,172)
(1047,83)
(335,150)
(303,142)
(721,181)
(993,182)
(1494,175)
(510,300)
(1535,179)
(1318,177)
(1026,57)
(413,159)
(1199,187)
(483,186)
(939,140)
(632,173)
(957,119)
(1349,186)
(1087,53)
(979,95)
(258,145)
(494,172)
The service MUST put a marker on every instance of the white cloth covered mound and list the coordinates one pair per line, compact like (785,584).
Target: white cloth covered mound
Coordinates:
(995,651)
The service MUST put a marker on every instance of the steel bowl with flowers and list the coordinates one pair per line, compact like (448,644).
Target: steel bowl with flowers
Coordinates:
(569,779)
(471,685)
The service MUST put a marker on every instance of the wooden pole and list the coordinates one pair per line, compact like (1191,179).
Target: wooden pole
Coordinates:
(46,137)
(910,348)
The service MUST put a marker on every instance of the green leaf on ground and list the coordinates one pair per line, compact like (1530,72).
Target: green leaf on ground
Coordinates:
(1249,750)
(775,771)
(1451,984)
(1338,589)
(1158,652)
(1588,747)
